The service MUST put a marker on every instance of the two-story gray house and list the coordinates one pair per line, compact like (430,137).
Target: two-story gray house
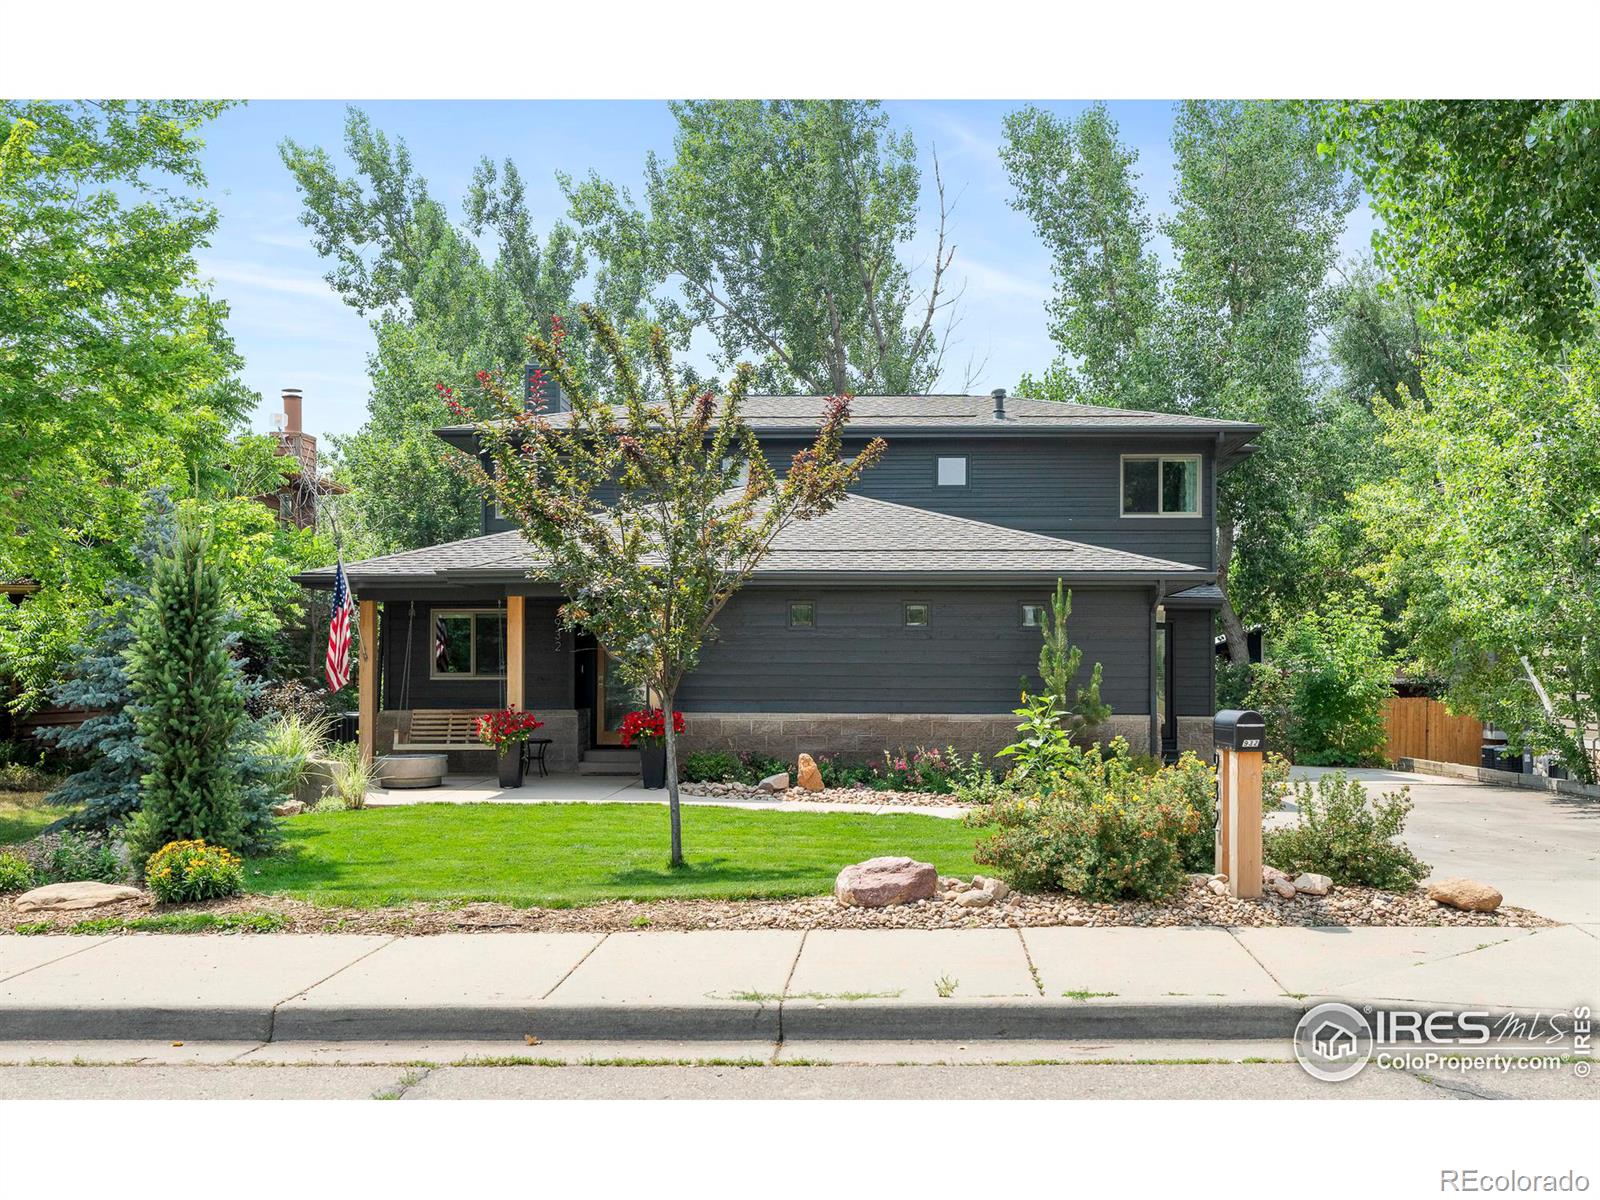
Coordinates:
(908,616)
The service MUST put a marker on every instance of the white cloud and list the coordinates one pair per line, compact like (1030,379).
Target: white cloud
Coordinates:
(991,281)
(268,279)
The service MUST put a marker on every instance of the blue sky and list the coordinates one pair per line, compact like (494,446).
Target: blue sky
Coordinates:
(294,332)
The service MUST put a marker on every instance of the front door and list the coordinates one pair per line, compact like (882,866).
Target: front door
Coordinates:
(613,700)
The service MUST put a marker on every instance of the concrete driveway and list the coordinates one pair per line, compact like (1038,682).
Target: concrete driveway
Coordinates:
(1541,850)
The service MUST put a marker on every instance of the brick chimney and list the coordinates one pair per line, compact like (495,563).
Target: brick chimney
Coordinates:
(292,438)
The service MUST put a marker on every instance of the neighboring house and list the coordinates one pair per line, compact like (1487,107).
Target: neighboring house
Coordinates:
(907,616)
(297,499)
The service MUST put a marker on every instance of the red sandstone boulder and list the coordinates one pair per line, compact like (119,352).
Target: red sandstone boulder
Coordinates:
(880,882)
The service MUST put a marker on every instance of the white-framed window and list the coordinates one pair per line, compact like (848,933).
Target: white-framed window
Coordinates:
(469,643)
(1033,616)
(914,615)
(743,478)
(950,470)
(802,614)
(1161,485)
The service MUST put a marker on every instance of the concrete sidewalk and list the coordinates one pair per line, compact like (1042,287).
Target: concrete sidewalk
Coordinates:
(771,985)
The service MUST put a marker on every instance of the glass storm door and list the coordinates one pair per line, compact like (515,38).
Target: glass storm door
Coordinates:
(614,699)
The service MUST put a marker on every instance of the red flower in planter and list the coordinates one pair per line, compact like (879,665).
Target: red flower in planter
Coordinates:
(507,727)
(649,725)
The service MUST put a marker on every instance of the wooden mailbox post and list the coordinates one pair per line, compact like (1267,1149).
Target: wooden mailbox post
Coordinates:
(1240,736)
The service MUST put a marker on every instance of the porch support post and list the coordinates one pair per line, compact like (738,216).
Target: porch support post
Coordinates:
(367,729)
(516,637)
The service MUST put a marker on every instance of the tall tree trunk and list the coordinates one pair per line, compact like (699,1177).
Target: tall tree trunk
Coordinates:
(672,782)
(1232,628)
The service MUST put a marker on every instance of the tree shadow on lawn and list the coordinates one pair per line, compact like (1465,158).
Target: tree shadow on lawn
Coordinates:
(707,871)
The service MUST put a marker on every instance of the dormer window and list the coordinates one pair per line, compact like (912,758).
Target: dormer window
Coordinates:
(1161,485)
(950,470)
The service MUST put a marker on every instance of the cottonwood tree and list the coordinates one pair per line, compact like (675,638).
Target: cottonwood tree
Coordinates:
(1489,529)
(783,223)
(1489,209)
(1076,182)
(650,515)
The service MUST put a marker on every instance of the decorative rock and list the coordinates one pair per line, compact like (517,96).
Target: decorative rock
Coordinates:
(1284,888)
(879,882)
(998,888)
(810,777)
(1313,885)
(1217,886)
(976,898)
(1271,875)
(289,808)
(67,897)
(949,883)
(775,783)
(1467,894)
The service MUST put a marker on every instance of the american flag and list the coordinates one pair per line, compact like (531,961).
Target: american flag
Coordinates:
(339,631)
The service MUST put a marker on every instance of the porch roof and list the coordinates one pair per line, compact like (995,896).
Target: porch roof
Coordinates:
(861,540)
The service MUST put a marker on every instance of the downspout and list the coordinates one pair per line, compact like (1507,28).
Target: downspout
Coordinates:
(1216,468)
(1155,725)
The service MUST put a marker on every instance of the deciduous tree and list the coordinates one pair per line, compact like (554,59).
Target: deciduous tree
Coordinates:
(648,571)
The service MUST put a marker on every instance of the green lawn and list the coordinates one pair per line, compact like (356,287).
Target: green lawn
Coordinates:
(559,855)
(24,814)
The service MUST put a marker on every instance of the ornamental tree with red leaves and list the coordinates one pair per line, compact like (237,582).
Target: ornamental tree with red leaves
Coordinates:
(651,506)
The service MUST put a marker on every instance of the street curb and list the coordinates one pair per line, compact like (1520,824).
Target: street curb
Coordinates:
(1019,1018)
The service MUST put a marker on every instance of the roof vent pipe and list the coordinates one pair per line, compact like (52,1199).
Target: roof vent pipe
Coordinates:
(999,395)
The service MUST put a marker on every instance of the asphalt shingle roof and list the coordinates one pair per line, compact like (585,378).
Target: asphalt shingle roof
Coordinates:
(861,535)
(874,414)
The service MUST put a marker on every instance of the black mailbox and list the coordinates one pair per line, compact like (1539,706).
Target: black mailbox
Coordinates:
(1239,729)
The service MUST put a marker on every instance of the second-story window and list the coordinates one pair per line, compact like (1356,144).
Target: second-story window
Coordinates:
(802,614)
(950,470)
(1161,485)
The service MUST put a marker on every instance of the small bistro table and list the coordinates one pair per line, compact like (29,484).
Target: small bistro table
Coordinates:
(533,752)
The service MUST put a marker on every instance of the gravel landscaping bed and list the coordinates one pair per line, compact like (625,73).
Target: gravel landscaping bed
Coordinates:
(832,795)
(1196,905)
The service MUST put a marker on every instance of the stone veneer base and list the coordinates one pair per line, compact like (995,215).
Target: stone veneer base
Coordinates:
(868,735)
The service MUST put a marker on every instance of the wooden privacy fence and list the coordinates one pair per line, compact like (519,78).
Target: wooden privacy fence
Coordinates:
(1421,728)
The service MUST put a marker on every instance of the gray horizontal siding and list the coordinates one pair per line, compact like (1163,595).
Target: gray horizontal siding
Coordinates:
(1194,662)
(860,657)
(1061,486)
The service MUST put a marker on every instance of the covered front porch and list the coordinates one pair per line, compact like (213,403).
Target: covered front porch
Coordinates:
(431,660)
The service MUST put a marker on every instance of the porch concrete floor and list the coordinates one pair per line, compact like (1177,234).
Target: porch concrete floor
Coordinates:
(560,788)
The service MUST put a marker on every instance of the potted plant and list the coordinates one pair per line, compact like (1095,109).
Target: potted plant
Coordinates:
(506,731)
(648,727)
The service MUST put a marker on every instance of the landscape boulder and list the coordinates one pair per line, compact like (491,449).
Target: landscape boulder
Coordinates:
(775,783)
(67,897)
(810,778)
(289,808)
(1467,894)
(880,882)
(1313,885)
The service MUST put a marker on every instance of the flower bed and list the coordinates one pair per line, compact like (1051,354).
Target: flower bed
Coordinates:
(1195,905)
(859,794)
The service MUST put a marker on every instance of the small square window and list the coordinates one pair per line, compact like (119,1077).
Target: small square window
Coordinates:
(1032,616)
(916,616)
(952,470)
(802,614)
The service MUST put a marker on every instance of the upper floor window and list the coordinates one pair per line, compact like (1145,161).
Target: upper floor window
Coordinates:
(951,470)
(469,643)
(802,614)
(1032,616)
(743,477)
(1161,485)
(915,615)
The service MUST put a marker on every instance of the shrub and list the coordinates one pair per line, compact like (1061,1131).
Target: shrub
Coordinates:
(16,872)
(1100,828)
(22,777)
(290,741)
(923,770)
(1044,750)
(183,872)
(1347,836)
(1323,693)
(76,857)
(352,776)
(188,702)
(711,766)
(758,766)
